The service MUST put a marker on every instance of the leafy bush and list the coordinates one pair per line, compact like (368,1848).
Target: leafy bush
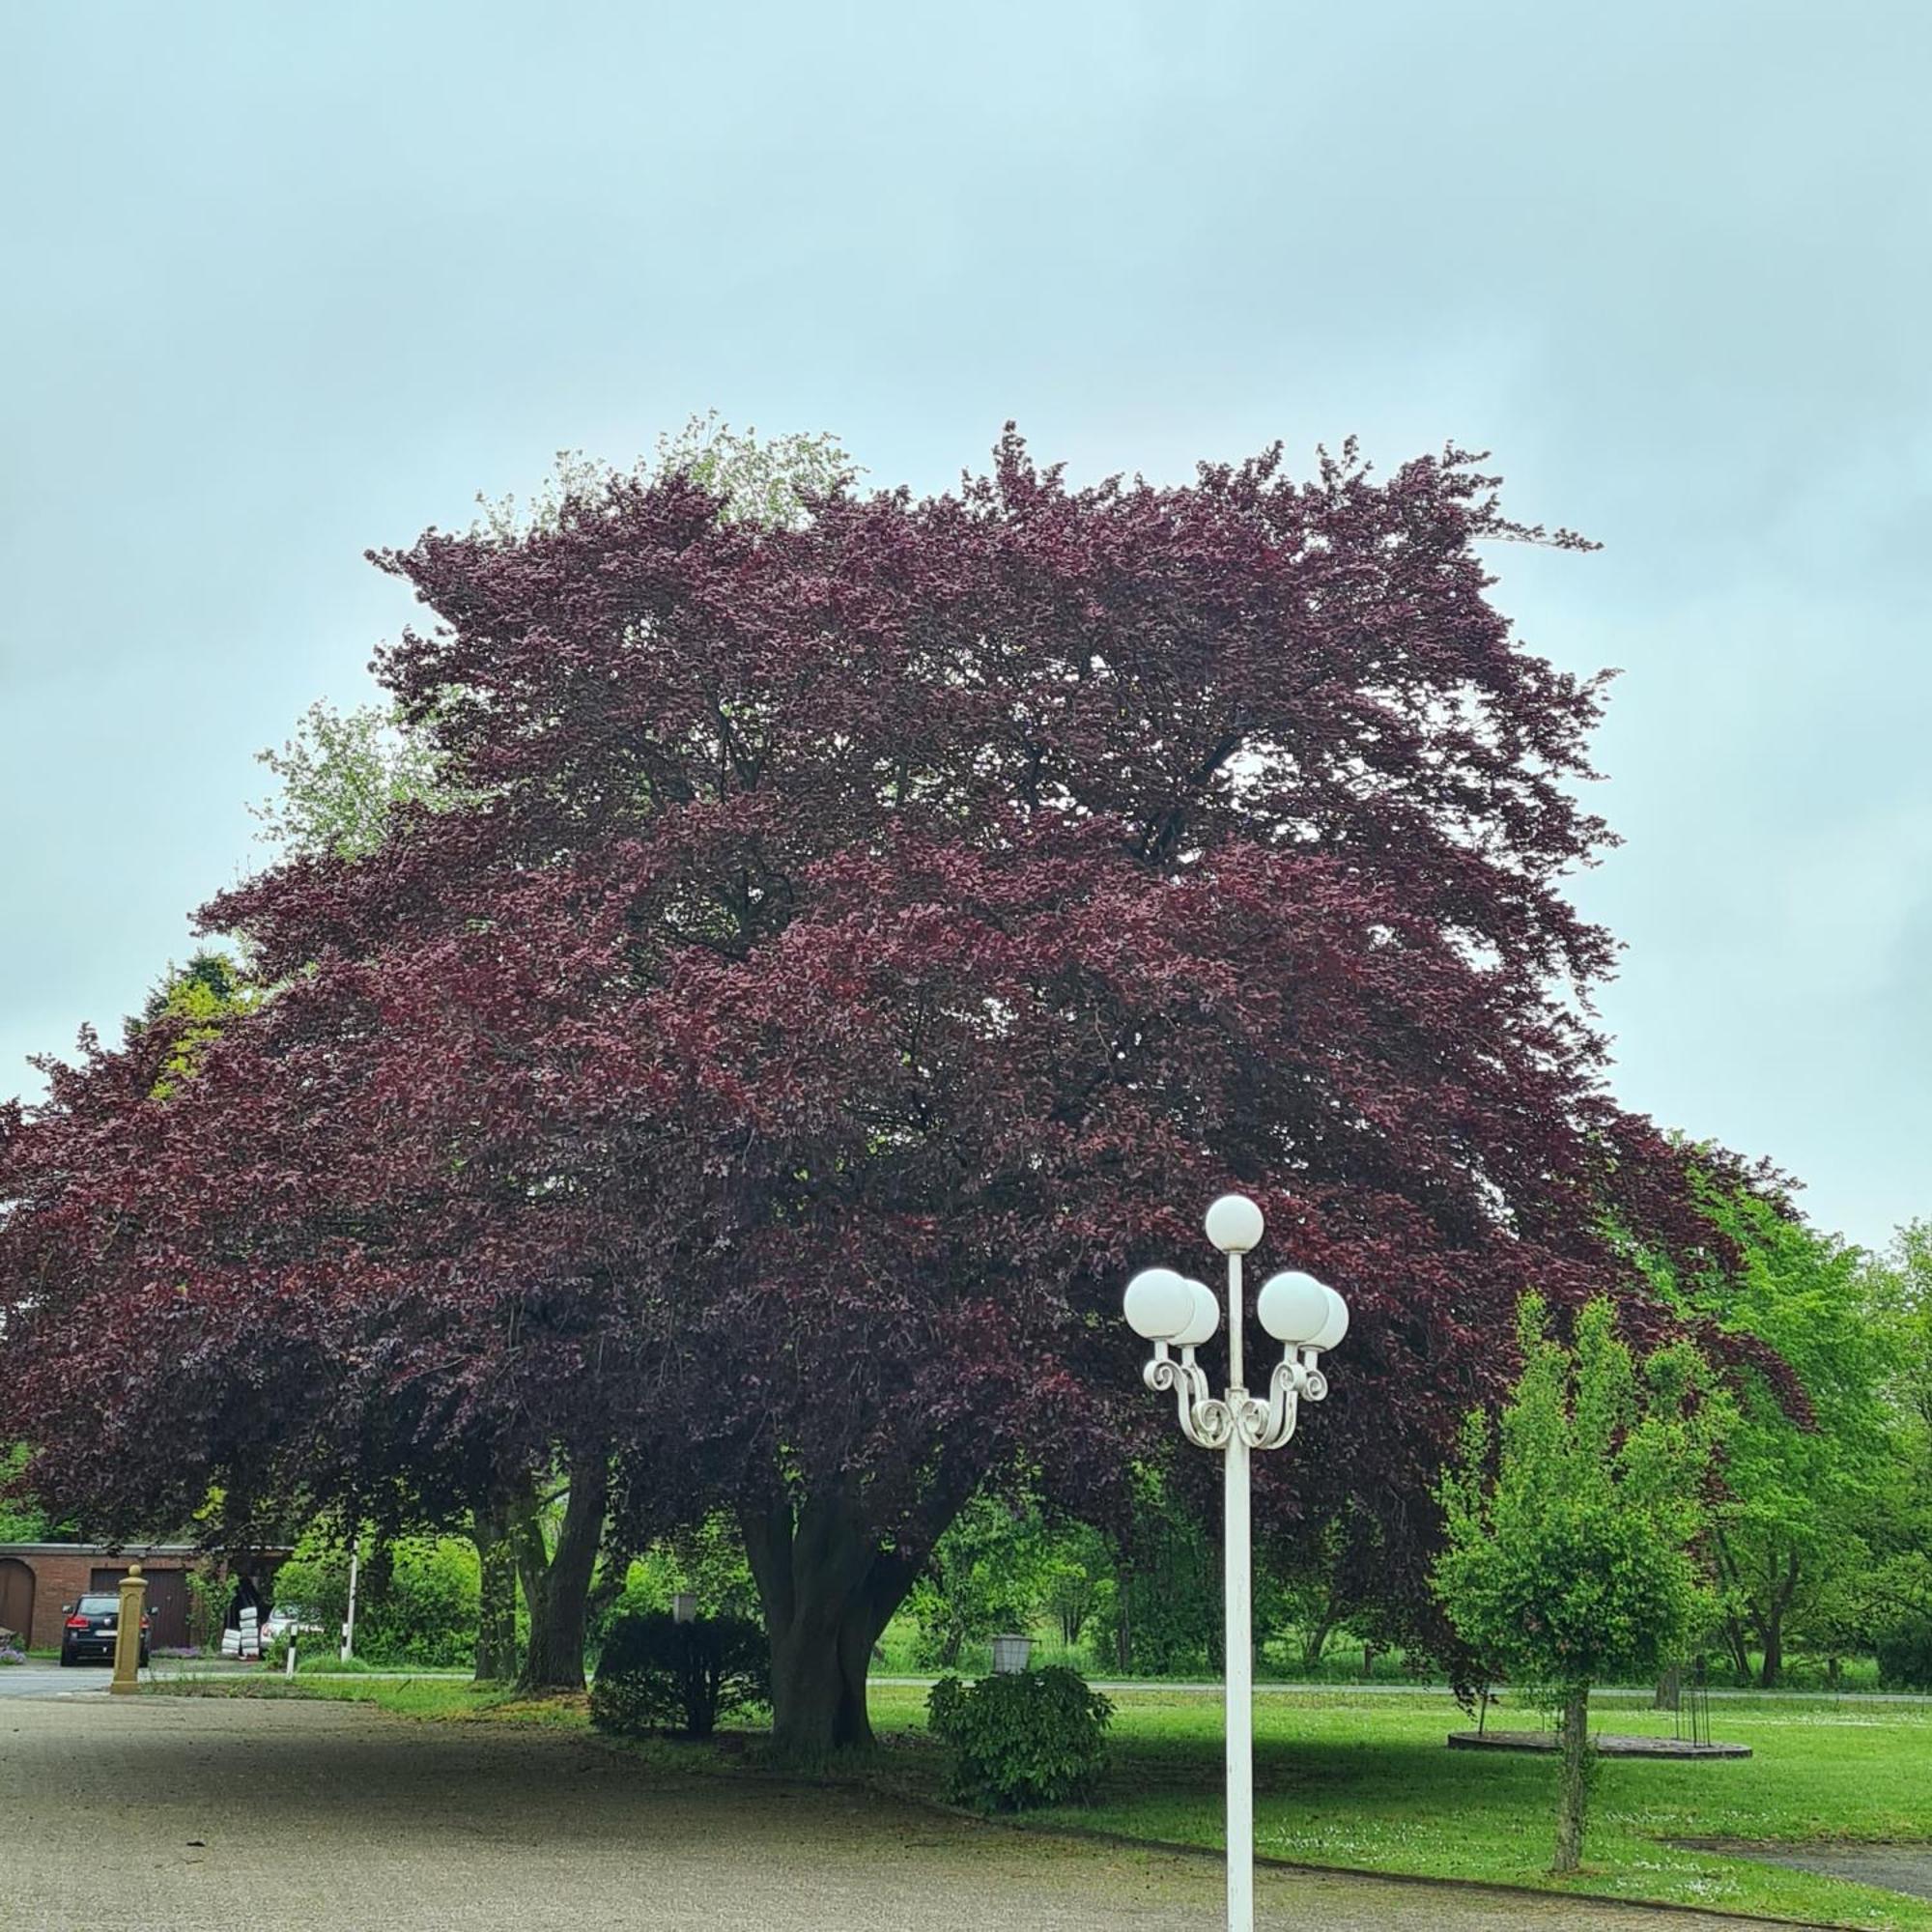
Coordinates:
(657,1674)
(209,1596)
(1031,1737)
(21,1518)
(1905,1656)
(9,1654)
(416,1598)
(706,1559)
(1165,1618)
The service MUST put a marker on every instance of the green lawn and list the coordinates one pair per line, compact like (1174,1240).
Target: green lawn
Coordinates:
(1366,1782)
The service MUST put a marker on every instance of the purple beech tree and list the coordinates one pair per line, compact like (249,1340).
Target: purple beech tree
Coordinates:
(860,941)
(264,1303)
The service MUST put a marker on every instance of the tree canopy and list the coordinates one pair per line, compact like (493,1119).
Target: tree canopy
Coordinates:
(854,940)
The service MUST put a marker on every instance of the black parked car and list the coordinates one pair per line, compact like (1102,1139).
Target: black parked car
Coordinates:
(92,1625)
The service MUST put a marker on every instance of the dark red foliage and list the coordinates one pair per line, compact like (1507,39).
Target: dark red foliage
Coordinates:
(880,936)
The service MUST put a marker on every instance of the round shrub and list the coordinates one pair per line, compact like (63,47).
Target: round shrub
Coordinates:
(657,1674)
(1031,1738)
(1905,1656)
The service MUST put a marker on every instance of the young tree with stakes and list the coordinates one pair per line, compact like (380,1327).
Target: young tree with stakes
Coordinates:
(1569,1559)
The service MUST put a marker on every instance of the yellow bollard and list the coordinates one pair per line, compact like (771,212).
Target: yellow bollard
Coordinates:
(127,1632)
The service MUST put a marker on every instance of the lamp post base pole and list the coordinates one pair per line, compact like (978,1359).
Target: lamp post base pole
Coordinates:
(1238,1645)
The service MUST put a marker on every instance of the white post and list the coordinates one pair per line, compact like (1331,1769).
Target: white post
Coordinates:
(349,1622)
(289,1657)
(1237,1638)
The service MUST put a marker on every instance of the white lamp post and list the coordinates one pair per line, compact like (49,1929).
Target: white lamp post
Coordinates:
(1305,1317)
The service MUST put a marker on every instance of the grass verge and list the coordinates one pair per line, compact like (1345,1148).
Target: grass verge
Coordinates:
(443,1697)
(1367,1785)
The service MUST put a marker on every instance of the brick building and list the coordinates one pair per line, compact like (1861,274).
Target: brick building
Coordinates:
(40,1580)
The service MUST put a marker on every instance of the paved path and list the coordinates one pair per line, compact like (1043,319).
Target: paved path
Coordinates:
(177,1814)
(1896,1868)
(49,1680)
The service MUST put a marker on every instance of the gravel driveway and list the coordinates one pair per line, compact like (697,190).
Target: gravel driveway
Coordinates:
(179,1814)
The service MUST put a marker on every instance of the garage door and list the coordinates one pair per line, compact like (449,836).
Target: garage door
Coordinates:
(167,1602)
(17,1598)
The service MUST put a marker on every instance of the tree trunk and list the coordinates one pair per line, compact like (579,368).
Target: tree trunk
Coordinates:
(1736,1643)
(557,1583)
(828,1592)
(1574,1780)
(1735,1595)
(1773,1631)
(1669,1690)
(614,1573)
(1317,1640)
(497,1596)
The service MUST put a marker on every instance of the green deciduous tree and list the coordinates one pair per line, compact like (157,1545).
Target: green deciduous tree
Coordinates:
(764,480)
(341,777)
(1081,1580)
(1891,1593)
(1802,1482)
(1568,1558)
(22,1520)
(1167,1604)
(990,1572)
(415,1599)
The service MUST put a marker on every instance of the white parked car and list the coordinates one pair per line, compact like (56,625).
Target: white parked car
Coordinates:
(290,1620)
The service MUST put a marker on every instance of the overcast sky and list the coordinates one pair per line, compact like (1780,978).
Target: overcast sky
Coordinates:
(279,283)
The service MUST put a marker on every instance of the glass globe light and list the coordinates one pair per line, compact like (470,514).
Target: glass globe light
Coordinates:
(1293,1308)
(1158,1304)
(1336,1325)
(1235,1224)
(1205,1319)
